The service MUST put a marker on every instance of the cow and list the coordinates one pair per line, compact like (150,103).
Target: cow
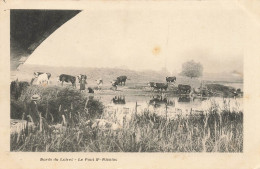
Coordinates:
(67,78)
(184,89)
(99,83)
(42,79)
(37,74)
(115,83)
(151,85)
(118,100)
(121,80)
(161,86)
(170,79)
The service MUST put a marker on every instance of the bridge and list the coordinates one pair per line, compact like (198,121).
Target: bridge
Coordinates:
(29,28)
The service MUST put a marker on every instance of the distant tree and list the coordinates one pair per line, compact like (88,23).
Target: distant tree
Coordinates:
(192,69)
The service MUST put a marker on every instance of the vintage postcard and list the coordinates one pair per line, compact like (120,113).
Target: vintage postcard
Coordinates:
(121,84)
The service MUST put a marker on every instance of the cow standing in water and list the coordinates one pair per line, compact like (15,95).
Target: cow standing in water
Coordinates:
(170,79)
(121,80)
(67,78)
(161,86)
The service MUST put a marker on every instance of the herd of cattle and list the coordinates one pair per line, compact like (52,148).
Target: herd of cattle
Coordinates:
(43,78)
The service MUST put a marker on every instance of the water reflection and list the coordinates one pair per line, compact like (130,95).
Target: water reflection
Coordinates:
(184,99)
(119,100)
(158,103)
(159,100)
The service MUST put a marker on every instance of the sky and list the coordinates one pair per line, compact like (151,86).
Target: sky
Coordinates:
(148,39)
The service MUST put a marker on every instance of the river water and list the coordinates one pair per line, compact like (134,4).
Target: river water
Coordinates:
(161,104)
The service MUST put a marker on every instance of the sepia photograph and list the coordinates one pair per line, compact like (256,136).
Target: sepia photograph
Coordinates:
(130,84)
(126,81)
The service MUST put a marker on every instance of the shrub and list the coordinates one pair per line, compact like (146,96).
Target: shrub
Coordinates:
(56,101)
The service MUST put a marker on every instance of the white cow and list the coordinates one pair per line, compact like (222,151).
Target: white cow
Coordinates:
(42,79)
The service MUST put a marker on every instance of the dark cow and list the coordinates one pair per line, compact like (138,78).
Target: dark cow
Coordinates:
(68,79)
(121,80)
(16,88)
(170,79)
(184,89)
(119,100)
(161,86)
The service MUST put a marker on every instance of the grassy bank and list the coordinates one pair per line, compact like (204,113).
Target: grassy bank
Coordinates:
(143,133)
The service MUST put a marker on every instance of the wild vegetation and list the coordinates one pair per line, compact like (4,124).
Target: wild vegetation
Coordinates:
(92,127)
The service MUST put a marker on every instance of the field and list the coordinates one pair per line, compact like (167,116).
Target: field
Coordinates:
(91,125)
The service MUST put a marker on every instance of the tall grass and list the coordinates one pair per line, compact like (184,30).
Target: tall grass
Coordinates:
(215,130)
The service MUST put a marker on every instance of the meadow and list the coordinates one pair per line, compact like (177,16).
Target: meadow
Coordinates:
(92,126)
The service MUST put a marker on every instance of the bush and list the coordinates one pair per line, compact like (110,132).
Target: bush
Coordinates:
(222,90)
(57,101)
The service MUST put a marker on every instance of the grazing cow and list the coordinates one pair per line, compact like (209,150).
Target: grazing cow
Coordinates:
(161,86)
(121,80)
(184,89)
(99,83)
(68,79)
(170,79)
(118,100)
